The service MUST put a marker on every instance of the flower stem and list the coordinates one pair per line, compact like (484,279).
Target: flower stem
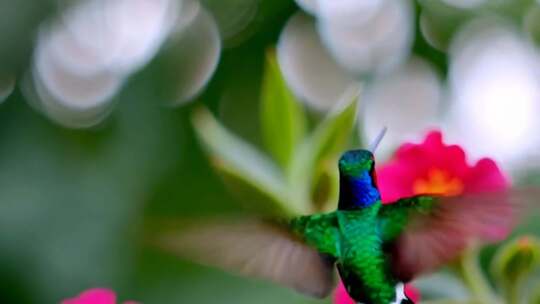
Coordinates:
(468,268)
(512,295)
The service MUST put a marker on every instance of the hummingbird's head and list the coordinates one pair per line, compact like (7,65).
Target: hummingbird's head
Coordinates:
(355,163)
(357,181)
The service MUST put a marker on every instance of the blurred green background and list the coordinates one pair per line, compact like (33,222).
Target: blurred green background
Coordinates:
(74,202)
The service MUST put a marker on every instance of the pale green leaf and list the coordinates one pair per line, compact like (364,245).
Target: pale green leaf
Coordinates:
(535,294)
(451,301)
(282,116)
(323,148)
(442,285)
(325,187)
(513,263)
(244,166)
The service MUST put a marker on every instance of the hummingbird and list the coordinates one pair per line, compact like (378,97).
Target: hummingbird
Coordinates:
(376,248)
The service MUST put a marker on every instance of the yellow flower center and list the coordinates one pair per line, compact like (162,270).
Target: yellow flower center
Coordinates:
(524,243)
(438,182)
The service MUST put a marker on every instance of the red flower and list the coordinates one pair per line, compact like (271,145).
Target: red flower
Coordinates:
(342,297)
(433,167)
(95,296)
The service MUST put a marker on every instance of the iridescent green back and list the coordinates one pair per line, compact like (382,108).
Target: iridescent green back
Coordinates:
(353,240)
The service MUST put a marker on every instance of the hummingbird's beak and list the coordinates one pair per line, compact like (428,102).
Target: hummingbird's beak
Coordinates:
(377,140)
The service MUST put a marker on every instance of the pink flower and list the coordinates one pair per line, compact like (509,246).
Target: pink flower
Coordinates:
(433,167)
(342,297)
(95,296)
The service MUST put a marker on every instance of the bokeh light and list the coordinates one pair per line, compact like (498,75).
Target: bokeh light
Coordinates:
(430,32)
(235,19)
(310,6)
(140,27)
(464,4)
(309,70)
(189,10)
(495,87)
(7,84)
(65,95)
(83,58)
(353,12)
(194,54)
(370,45)
(438,23)
(407,101)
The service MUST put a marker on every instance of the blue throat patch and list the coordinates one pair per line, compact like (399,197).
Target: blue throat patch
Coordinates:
(357,191)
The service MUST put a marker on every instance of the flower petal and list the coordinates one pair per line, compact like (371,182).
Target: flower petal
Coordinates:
(412,293)
(414,162)
(93,296)
(395,181)
(485,176)
(341,296)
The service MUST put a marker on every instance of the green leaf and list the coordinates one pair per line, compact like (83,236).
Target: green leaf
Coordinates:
(324,187)
(513,263)
(282,116)
(532,23)
(531,287)
(244,166)
(535,296)
(331,137)
(322,149)
(450,301)
(467,267)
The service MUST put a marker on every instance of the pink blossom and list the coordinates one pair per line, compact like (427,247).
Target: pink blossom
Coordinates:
(95,296)
(432,167)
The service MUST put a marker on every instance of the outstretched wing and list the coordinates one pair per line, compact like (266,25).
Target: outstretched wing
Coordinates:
(258,249)
(422,233)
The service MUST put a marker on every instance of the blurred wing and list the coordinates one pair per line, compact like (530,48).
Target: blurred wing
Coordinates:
(422,233)
(258,249)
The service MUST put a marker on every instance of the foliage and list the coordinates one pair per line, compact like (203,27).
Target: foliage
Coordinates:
(302,164)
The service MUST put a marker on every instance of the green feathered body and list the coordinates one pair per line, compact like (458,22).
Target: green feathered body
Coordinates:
(358,235)
(354,240)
